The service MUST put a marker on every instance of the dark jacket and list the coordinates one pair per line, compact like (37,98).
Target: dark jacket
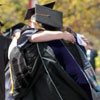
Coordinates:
(4,44)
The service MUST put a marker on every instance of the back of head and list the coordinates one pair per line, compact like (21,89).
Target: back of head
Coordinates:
(45,16)
(31,11)
(91,43)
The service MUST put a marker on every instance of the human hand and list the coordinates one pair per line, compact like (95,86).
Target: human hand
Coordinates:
(68,37)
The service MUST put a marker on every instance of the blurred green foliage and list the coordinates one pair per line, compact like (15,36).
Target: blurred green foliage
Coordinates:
(12,11)
(83,16)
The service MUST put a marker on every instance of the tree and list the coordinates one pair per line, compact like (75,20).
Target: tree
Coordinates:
(81,15)
(12,11)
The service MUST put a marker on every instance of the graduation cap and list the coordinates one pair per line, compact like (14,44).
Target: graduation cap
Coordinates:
(31,11)
(1,24)
(17,26)
(10,31)
(49,18)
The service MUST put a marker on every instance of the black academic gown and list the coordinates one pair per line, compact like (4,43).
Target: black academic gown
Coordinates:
(48,78)
(54,74)
(93,54)
(4,44)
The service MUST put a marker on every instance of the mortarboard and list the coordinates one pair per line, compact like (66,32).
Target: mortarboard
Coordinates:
(48,17)
(17,26)
(10,31)
(31,11)
(1,24)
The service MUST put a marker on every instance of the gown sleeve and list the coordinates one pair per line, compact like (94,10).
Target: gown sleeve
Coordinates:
(25,37)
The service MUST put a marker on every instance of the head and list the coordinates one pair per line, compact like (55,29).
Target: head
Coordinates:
(34,23)
(45,17)
(30,14)
(90,46)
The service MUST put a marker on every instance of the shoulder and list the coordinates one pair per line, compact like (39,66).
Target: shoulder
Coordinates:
(25,35)
(28,30)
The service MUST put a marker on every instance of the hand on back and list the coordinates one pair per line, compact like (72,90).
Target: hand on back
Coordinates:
(68,37)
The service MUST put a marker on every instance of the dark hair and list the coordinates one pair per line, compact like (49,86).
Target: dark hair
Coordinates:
(91,43)
(50,28)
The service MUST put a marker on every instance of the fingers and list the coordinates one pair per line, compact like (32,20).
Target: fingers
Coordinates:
(68,37)
(71,38)
(85,40)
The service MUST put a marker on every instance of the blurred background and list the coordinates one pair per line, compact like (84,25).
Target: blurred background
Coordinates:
(83,16)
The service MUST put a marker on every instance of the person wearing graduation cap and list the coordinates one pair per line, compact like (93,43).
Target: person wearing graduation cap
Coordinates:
(14,34)
(52,21)
(48,31)
(43,76)
(1,25)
